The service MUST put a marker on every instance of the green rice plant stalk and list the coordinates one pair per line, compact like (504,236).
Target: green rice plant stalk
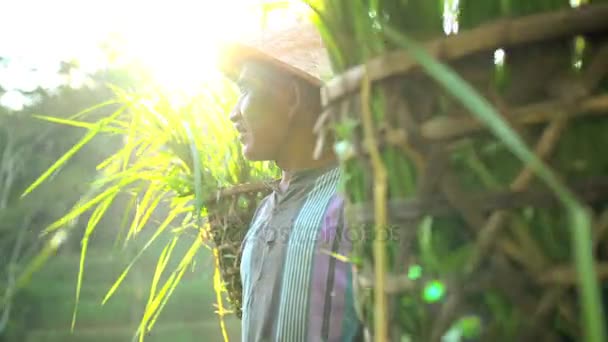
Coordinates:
(381,220)
(218,287)
(173,157)
(351,30)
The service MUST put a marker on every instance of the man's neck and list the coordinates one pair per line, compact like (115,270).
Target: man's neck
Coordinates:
(297,153)
(290,168)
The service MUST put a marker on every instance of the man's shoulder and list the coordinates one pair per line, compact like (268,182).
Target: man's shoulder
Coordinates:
(326,179)
(262,204)
(327,186)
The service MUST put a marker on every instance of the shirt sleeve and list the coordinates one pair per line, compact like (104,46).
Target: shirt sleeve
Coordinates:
(332,315)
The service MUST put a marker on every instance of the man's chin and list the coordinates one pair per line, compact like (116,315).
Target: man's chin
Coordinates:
(252,155)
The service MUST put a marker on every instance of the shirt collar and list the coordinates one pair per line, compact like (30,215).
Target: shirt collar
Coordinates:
(302,179)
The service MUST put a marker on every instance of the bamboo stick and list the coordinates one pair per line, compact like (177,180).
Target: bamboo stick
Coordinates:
(501,33)
(380,192)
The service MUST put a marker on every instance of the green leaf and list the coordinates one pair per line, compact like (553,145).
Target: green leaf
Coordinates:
(92,108)
(61,161)
(70,153)
(116,284)
(81,208)
(426,244)
(80,124)
(160,268)
(165,298)
(198,187)
(144,210)
(93,221)
(131,142)
(170,217)
(156,306)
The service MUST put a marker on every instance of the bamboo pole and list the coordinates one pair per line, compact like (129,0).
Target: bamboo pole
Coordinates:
(380,192)
(501,33)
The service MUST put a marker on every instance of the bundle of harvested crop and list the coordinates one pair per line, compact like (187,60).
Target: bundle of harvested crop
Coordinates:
(230,211)
(479,182)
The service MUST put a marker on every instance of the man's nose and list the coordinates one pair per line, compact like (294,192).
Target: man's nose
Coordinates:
(235,114)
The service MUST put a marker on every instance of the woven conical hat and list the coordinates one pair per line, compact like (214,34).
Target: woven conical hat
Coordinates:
(295,47)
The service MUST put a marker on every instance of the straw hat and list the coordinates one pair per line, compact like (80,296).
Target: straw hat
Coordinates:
(294,47)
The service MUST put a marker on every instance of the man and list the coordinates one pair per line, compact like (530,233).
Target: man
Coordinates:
(294,289)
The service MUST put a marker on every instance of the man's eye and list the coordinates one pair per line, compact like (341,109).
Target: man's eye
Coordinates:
(244,87)
(243,90)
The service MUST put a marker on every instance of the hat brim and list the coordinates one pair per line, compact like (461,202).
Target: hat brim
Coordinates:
(233,56)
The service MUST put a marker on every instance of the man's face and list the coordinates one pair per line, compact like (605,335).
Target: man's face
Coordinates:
(261,113)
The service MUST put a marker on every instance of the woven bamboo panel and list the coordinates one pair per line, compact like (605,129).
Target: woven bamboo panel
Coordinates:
(230,213)
(479,225)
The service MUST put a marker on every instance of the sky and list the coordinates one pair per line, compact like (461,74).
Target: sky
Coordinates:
(176,39)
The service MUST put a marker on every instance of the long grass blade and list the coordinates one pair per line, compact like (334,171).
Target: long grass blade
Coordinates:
(79,124)
(218,288)
(142,210)
(92,109)
(61,161)
(70,153)
(134,172)
(160,268)
(426,243)
(125,219)
(198,186)
(165,298)
(81,208)
(164,294)
(131,142)
(124,152)
(148,213)
(93,221)
(117,283)
(170,217)
(323,24)
(153,309)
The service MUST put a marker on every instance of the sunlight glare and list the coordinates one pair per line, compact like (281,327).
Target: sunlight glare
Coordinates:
(450,17)
(178,41)
(499,57)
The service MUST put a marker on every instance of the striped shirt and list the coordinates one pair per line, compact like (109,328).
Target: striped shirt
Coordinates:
(294,288)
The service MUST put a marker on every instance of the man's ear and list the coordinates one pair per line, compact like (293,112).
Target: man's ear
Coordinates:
(295,96)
